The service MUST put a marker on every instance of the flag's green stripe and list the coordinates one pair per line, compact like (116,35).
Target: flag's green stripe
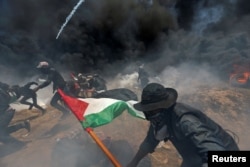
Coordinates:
(105,116)
(109,113)
(134,112)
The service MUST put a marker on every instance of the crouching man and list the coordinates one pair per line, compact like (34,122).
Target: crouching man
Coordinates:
(7,113)
(191,132)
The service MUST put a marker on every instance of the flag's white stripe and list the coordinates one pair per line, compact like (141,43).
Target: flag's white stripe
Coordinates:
(97,105)
(132,109)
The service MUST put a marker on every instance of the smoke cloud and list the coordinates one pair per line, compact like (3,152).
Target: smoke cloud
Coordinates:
(114,37)
(104,33)
(183,44)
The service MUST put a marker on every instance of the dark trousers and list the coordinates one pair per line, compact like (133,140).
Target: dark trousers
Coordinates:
(57,102)
(5,130)
(33,96)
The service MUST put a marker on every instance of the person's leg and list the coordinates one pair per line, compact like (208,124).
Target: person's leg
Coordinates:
(34,99)
(6,138)
(5,117)
(24,101)
(54,103)
(13,128)
(6,130)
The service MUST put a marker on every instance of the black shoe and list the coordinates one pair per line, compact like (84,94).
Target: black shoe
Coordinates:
(31,106)
(27,125)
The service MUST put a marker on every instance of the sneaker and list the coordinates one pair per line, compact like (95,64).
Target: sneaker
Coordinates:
(27,125)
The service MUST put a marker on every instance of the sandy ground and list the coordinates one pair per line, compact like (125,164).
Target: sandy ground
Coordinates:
(227,106)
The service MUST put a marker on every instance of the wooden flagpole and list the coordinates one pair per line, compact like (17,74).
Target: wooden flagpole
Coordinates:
(75,109)
(103,147)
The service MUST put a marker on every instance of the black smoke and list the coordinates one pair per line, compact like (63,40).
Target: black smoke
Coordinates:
(102,33)
(243,7)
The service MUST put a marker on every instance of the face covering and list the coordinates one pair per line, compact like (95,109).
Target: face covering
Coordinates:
(158,122)
(162,133)
(44,70)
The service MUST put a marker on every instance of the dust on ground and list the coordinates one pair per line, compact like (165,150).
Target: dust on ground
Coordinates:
(226,105)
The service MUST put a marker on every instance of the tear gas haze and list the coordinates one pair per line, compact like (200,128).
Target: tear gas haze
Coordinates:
(188,45)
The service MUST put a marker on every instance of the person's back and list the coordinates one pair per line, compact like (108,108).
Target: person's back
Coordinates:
(53,76)
(57,79)
(142,73)
(194,134)
(143,77)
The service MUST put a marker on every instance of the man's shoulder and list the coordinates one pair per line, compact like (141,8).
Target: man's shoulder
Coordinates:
(186,111)
(181,108)
(52,69)
(53,72)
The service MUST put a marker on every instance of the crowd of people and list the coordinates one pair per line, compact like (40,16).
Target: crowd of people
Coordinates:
(191,131)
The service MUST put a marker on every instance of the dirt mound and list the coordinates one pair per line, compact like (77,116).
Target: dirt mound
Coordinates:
(228,106)
(44,145)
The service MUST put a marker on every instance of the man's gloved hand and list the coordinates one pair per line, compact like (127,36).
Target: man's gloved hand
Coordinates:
(204,165)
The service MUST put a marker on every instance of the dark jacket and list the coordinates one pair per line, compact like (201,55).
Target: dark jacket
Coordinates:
(55,77)
(193,134)
(4,100)
(143,77)
(142,73)
(7,96)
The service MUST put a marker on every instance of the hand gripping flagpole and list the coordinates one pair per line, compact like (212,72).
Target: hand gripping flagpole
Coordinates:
(75,106)
(103,147)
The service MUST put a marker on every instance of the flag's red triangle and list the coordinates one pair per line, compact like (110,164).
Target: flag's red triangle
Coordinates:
(78,107)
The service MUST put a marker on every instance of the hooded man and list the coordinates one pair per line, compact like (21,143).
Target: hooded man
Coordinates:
(191,132)
(53,76)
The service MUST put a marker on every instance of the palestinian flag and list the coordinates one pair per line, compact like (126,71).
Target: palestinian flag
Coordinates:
(93,112)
